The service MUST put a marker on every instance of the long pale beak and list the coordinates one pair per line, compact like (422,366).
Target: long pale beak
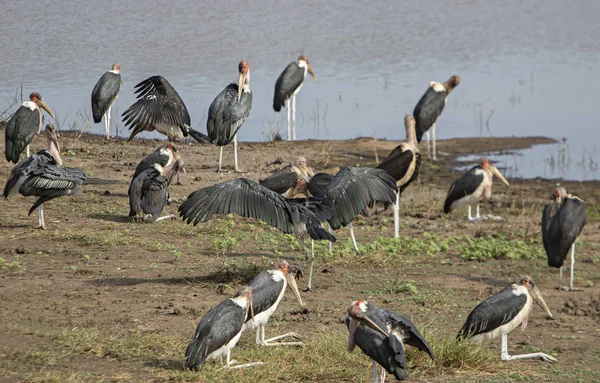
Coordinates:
(55,140)
(537,296)
(309,68)
(368,322)
(351,330)
(294,287)
(42,104)
(241,80)
(497,173)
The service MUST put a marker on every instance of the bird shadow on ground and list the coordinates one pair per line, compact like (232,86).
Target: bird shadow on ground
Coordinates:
(109,217)
(487,280)
(168,364)
(101,181)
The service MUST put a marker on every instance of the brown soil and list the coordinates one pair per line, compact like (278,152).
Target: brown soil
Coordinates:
(92,268)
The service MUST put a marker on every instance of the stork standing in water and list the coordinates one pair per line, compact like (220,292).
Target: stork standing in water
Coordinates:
(42,175)
(500,314)
(285,180)
(23,125)
(471,187)
(159,107)
(228,112)
(429,108)
(560,231)
(288,85)
(219,331)
(403,164)
(381,334)
(104,94)
(252,200)
(268,289)
(149,192)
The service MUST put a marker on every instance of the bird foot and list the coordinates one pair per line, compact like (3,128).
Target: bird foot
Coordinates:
(248,365)
(565,288)
(178,183)
(308,289)
(238,171)
(219,170)
(177,200)
(42,227)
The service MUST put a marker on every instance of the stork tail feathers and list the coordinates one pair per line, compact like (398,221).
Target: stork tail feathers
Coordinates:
(200,137)
(193,353)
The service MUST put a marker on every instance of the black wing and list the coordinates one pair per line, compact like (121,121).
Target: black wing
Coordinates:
(288,81)
(20,129)
(243,197)
(493,312)
(216,329)
(226,115)
(398,164)
(156,157)
(281,181)
(265,292)
(318,183)
(408,332)
(104,94)
(561,231)
(465,185)
(155,193)
(50,182)
(158,103)
(427,111)
(353,189)
(135,193)
(21,171)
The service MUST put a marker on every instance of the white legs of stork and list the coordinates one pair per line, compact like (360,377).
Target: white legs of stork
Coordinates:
(397,216)
(107,122)
(260,338)
(290,106)
(351,230)
(231,362)
(41,223)
(377,378)
(570,288)
(235,157)
(429,137)
(482,217)
(536,355)
(28,152)
(170,216)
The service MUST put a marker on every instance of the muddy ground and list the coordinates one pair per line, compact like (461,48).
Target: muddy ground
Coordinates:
(95,298)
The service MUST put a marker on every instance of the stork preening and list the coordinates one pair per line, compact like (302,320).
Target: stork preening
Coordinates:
(149,192)
(429,108)
(403,165)
(249,199)
(381,334)
(104,94)
(268,289)
(159,107)
(285,180)
(23,125)
(164,156)
(288,85)
(228,112)
(471,187)
(560,231)
(219,331)
(500,314)
(42,175)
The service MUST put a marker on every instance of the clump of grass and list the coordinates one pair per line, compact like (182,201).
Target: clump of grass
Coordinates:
(482,249)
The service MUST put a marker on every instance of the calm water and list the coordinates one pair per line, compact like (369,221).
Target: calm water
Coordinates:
(531,67)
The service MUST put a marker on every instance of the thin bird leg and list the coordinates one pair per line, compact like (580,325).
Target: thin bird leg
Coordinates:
(330,230)
(294,117)
(536,355)
(271,341)
(310,266)
(477,214)
(170,216)
(107,122)
(220,160)
(469,214)
(560,279)
(41,222)
(305,252)
(573,269)
(428,144)
(351,229)
(288,110)
(375,374)
(28,154)
(397,216)
(230,362)
(433,139)
(258,339)
(382,375)
(235,157)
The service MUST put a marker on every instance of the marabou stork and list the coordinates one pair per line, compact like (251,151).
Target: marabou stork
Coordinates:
(268,289)
(149,192)
(159,107)
(285,180)
(381,334)
(403,164)
(23,125)
(219,331)
(429,108)
(249,199)
(351,191)
(228,112)
(42,175)
(471,187)
(560,231)
(164,155)
(104,94)
(500,314)
(288,84)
